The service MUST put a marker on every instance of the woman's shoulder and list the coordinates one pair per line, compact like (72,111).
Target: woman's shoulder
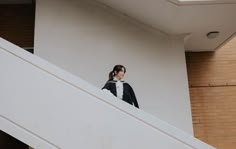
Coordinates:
(126,83)
(111,81)
(114,81)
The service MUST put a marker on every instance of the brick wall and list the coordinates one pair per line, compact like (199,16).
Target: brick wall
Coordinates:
(212,84)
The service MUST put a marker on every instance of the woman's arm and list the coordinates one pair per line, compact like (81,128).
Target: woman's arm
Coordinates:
(134,100)
(106,86)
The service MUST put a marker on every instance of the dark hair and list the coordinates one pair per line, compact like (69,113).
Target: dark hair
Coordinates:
(116,68)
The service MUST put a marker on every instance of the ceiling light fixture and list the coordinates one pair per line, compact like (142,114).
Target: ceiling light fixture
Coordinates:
(213,34)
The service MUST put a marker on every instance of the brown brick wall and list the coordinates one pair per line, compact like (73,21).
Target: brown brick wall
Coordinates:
(17,24)
(212,82)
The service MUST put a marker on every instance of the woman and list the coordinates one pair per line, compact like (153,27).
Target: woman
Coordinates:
(120,88)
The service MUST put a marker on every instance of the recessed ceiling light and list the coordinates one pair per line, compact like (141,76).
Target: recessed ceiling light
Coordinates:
(212,35)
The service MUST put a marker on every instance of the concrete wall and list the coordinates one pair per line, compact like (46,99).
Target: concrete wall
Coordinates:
(55,109)
(88,39)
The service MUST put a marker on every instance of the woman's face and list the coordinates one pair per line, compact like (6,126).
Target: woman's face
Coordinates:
(120,74)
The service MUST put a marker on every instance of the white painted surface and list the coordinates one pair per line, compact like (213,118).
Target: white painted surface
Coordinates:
(195,17)
(87,40)
(46,106)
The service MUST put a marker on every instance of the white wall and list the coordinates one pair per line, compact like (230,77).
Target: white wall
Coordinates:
(88,39)
(55,109)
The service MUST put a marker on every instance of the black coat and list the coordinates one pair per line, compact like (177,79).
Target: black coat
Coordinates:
(128,92)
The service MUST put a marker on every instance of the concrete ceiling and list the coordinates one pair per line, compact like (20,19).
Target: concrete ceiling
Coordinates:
(193,17)
(200,2)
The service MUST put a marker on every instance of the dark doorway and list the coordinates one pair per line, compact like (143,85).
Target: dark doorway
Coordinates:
(17,23)
(8,142)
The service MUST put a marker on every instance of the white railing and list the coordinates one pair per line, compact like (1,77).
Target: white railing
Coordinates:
(47,107)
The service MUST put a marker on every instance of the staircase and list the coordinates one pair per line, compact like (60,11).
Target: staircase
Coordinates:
(49,108)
